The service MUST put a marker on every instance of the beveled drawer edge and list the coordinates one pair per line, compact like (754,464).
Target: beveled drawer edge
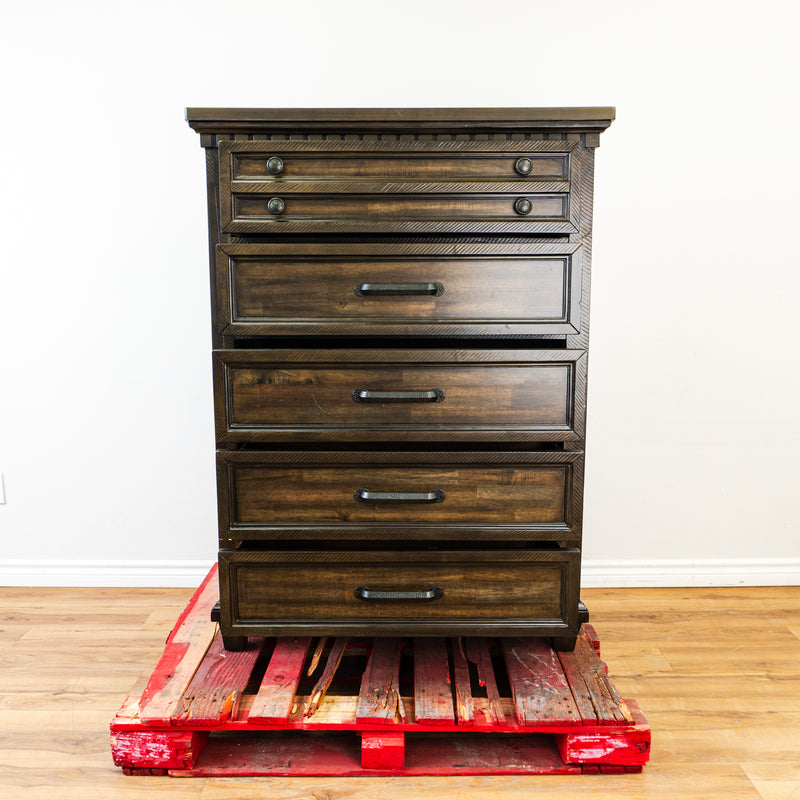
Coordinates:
(394,249)
(367,146)
(366,556)
(435,457)
(408,356)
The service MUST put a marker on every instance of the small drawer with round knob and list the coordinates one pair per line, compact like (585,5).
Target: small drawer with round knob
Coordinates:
(341,186)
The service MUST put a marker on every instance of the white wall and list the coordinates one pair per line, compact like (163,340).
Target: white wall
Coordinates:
(106,437)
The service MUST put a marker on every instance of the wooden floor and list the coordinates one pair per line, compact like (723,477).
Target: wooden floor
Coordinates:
(716,671)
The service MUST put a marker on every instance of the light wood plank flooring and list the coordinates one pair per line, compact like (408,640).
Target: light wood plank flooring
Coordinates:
(716,671)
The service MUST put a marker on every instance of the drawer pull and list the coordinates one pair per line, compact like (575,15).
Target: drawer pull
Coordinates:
(524,166)
(275,165)
(370,396)
(276,206)
(366,496)
(523,206)
(434,593)
(394,289)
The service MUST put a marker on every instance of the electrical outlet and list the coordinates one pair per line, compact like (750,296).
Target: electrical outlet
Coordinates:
(2,490)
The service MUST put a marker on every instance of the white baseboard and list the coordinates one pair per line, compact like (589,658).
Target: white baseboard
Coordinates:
(691,572)
(104,573)
(595,573)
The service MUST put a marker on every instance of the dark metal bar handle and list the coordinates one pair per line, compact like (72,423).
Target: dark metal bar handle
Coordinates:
(393,289)
(366,496)
(434,593)
(371,396)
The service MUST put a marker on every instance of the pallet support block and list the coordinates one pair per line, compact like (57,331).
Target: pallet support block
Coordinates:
(385,750)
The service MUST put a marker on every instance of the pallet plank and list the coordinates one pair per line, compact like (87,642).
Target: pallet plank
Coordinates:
(214,692)
(597,700)
(318,650)
(379,699)
(275,697)
(465,712)
(540,689)
(433,693)
(325,680)
(478,653)
(186,647)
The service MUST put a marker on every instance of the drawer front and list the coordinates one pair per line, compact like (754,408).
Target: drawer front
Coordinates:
(430,591)
(361,186)
(267,393)
(392,495)
(268,289)
(255,162)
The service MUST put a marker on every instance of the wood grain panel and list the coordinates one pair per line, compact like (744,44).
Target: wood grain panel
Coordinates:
(535,396)
(395,207)
(530,495)
(305,166)
(488,495)
(321,587)
(305,288)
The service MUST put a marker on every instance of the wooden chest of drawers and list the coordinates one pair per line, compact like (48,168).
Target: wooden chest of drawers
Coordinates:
(400,332)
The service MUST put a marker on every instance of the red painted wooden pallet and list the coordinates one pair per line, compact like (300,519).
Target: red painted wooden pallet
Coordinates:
(419,707)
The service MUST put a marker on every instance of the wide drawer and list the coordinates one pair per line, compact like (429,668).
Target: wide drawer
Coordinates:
(455,186)
(386,395)
(398,495)
(398,288)
(504,592)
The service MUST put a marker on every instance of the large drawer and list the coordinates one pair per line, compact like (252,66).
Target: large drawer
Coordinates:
(398,495)
(399,288)
(396,395)
(296,186)
(479,592)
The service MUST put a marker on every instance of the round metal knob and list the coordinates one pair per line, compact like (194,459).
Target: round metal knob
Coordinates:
(275,165)
(523,206)
(276,206)
(524,166)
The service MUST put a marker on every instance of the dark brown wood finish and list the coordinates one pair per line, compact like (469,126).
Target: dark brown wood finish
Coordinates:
(331,592)
(381,395)
(399,289)
(346,243)
(484,496)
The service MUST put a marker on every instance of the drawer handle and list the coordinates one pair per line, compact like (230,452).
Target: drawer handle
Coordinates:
(523,166)
(275,165)
(276,206)
(366,496)
(370,396)
(434,593)
(523,206)
(394,289)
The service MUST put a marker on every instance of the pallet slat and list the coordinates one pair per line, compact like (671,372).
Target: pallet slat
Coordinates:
(433,692)
(325,680)
(214,692)
(186,647)
(379,698)
(275,697)
(540,689)
(597,700)
(478,653)
(465,710)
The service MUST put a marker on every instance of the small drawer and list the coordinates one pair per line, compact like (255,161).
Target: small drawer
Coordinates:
(456,592)
(388,395)
(374,186)
(399,495)
(400,288)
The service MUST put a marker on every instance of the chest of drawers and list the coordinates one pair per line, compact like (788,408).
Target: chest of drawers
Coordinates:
(400,306)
